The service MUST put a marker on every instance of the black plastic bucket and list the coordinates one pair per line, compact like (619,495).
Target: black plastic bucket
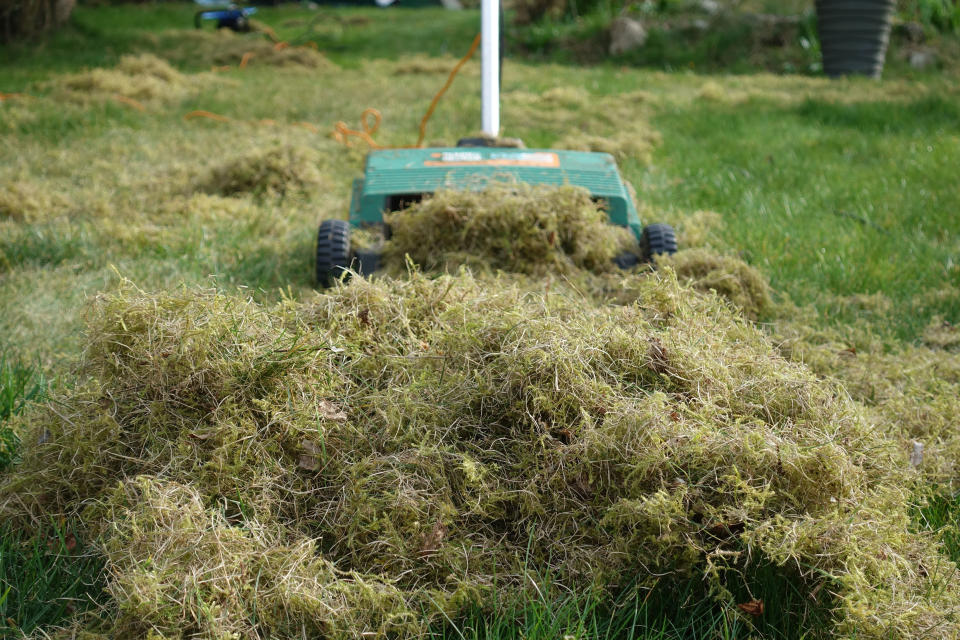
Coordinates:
(854,35)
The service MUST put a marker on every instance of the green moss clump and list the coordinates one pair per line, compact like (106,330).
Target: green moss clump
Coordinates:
(729,277)
(180,565)
(392,450)
(910,391)
(518,228)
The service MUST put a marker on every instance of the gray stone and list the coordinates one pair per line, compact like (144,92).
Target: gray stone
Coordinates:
(626,34)
(700,24)
(916,456)
(710,7)
(923,58)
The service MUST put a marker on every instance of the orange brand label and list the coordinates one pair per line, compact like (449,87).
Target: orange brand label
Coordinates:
(476,159)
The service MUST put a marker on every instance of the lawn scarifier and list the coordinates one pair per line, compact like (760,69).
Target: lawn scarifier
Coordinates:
(396,178)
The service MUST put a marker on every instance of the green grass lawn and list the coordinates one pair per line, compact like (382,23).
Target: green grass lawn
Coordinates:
(835,190)
(829,198)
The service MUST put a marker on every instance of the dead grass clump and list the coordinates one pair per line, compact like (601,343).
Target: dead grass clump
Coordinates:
(617,124)
(291,56)
(911,392)
(143,77)
(401,446)
(562,107)
(150,66)
(226,48)
(275,171)
(511,227)
(728,93)
(25,201)
(731,278)
(712,90)
(204,208)
(941,334)
(201,562)
(916,394)
(699,229)
(16,113)
(636,145)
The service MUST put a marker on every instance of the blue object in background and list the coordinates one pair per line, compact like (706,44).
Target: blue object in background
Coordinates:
(233,18)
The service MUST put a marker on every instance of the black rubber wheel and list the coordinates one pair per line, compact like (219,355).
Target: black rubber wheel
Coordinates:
(657,239)
(333,251)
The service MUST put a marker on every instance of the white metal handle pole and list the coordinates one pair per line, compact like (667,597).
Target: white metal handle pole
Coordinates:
(490,61)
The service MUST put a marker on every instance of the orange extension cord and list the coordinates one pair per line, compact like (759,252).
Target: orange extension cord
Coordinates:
(342,133)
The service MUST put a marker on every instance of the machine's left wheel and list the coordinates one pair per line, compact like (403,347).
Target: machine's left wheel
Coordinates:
(333,251)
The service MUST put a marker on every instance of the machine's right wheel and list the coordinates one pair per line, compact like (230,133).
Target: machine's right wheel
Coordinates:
(657,239)
(333,251)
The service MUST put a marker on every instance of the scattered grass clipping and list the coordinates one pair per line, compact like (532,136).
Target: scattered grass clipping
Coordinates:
(393,450)
(226,48)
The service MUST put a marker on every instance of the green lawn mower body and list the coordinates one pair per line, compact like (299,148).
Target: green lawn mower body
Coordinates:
(394,179)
